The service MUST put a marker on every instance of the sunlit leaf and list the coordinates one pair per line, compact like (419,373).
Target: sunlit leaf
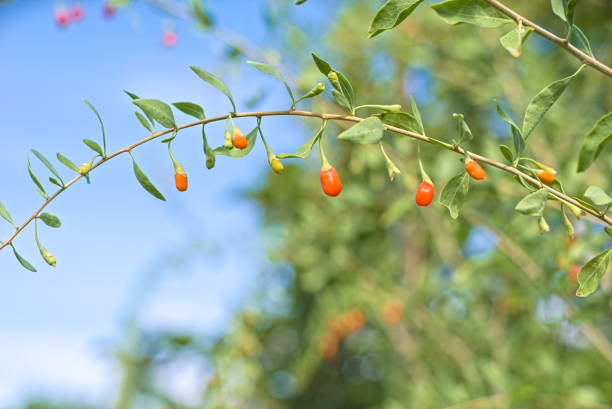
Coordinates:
(533,204)
(370,130)
(402,120)
(268,69)
(145,182)
(93,146)
(67,162)
(477,12)
(25,263)
(50,220)
(46,162)
(595,141)
(95,111)
(454,193)
(190,109)
(215,82)
(514,39)
(597,195)
(35,179)
(5,214)
(305,149)
(158,110)
(390,14)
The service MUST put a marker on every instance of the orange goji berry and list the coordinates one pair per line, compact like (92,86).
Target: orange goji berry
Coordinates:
(180,180)
(239,140)
(424,194)
(573,272)
(330,181)
(354,321)
(546,176)
(393,312)
(475,170)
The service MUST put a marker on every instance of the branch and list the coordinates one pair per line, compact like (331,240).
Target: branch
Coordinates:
(334,117)
(561,42)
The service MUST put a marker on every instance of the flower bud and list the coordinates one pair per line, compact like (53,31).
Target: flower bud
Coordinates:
(227,141)
(277,165)
(544,228)
(48,257)
(85,168)
(333,78)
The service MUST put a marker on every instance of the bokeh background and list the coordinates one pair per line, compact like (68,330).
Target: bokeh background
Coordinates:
(253,290)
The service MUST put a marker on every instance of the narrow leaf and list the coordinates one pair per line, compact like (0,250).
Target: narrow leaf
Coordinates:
(595,141)
(542,102)
(46,162)
(67,162)
(417,114)
(454,193)
(144,121)
(95,111)
(370,130)
(35,180)
(533,204)
(25,263)
(559,7)
(268,69)
(305,149)
(215,82)
(5,214)
(517,136)
(145,182)
(55,182)
(591,273)
(465,134)
(580,40)
(158,110)
(505,150)
(190,109)
(93,146)
(50,220)
(392,169)
(477,12)
(390,14)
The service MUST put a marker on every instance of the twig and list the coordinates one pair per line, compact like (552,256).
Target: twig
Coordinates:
(561,42)
(335,117)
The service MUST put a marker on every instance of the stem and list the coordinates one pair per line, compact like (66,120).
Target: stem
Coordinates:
(561,42)
(607,220)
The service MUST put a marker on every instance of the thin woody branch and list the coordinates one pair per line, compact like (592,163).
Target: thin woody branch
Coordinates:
(561,42)
(335,117)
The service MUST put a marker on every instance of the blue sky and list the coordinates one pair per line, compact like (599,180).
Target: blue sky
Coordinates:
(55,324)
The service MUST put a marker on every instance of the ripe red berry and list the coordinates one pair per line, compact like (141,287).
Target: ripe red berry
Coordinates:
(180,179)
(108,10)
(424,194)
(546,176)
(169,38)
(330,181)
(62,18)
(239,140)
(76,13)
(475,170)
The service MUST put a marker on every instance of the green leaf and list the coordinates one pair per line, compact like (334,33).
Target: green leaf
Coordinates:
(345,86)
(390,14)
(596,195)
(533,204)
(465,134)
(5,214)
(595,141)
(298,2)
(67,162)
(35,179)
(306,148)
(46,162)
(505,150)
(95,111)
(23,261)
(144,122)
(542,102)
(514,39)
(158,110)
(131,94)
(215,82)
(517,136)
(370,130)
(417,114)
(46,255)
(591,273)
(50,220)
(93,146)
(477,12)
(200,15)
(208,151)
(580,40)
(55,182)
(454,193)
(145,182)
(341,100)
(402,120)
(190,109)
(559,7)
(239,153)
(268,69)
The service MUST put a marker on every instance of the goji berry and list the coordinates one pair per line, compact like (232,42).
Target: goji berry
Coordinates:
(424,194)
(546,176)
(239,140)
(330,181)
(475,170)
(180,180)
